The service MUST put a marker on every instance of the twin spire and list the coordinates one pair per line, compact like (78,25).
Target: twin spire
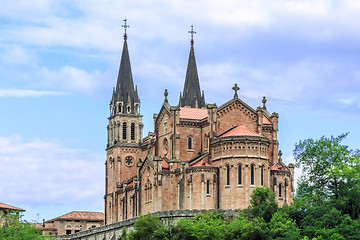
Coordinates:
(124,91)
(128,96)
(192,96)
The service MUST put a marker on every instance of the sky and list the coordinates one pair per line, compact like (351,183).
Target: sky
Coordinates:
(59,62)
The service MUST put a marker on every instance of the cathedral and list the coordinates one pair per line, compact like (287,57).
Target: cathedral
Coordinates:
(200,155)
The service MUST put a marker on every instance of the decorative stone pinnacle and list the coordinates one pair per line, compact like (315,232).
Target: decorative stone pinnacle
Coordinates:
(235,88)
(192,32)
(166,94)
(264,101)
(125,26)
(280,155)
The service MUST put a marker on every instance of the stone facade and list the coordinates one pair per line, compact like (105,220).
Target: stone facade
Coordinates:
(211,157)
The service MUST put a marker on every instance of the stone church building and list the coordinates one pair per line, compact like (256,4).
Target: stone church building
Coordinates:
(200,155)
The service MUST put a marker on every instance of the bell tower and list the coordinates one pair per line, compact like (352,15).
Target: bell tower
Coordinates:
(124,135)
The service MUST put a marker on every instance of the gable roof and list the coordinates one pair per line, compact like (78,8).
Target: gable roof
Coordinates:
(240,130)
(236,99)
(266,120)
(193,113)
(9,207)
(165,165)
(200,164)
(78,215)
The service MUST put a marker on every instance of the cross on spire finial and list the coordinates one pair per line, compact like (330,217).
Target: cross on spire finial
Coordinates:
(235,88)
(125,26)
(166,94)
(192,32)
(264,101)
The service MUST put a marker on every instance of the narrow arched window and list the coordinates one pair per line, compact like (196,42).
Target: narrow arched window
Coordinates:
(132,131)
(124,130)
(262,176)
(207,186)
(239,174)
(120,106)
(189,143)
(280,194)
(227,175)
(252,175)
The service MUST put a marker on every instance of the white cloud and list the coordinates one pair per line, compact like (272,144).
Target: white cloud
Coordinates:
(15,54)
(28,93)
(70,78)
(44,171)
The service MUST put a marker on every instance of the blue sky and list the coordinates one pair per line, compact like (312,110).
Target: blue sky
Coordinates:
(59,61)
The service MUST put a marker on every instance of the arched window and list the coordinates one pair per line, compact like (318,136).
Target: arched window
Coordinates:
(227,175)
(128,109)
(132,131)
(239,174)
(280,194)
(189,142)
(252,175)
(262,175)
(207,186)
(120,106)
(124,130)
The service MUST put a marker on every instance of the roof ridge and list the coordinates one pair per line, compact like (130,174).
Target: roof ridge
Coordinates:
(228,130)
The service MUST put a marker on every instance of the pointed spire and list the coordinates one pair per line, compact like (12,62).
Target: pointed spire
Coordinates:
(192,94)
(125,87)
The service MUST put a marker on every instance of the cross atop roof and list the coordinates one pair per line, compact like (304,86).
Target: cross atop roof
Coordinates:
(125,26)
(192,32)
(264,101)
(235,88)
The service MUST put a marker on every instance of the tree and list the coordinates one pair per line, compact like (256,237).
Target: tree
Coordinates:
(262,203)
(12,229)
(203,227)
(144,227)
(331,173)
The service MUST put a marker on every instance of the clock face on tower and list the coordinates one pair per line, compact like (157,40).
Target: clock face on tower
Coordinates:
(129,161)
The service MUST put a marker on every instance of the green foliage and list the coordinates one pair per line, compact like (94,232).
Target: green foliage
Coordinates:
(331,172)
(262,203)
(144,227)
(12,229)
(202,227)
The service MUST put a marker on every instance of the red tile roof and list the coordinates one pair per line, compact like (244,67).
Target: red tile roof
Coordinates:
(274,167)
(266,120)
(165,165)
(200,164)
(240,130)
(48,226)
(193,113)
(83,216)
(6,206)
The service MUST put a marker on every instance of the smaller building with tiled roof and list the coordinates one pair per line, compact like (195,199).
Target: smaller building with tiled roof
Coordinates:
(72,222)
(6,209)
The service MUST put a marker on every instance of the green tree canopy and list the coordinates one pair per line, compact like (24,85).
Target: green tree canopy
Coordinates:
(331,172)
(12,229)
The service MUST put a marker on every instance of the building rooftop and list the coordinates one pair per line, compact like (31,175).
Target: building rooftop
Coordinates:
(240,130)
(193,113)
(9,207)
(82,216)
